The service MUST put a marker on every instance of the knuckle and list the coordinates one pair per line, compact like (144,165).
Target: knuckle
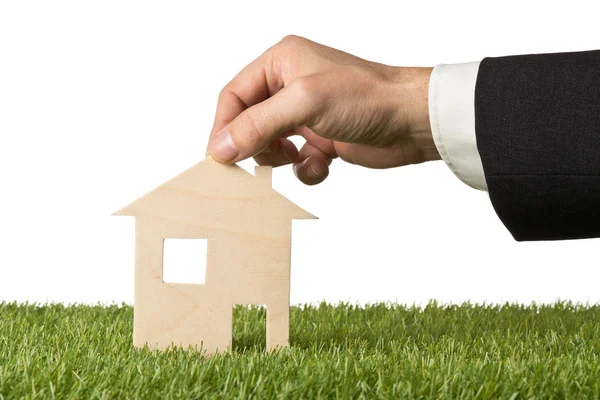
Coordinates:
(292,40)
(252,134)
(308,95)
(223,93)
(303,88)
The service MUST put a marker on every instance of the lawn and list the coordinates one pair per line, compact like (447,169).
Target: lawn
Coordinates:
(378,351)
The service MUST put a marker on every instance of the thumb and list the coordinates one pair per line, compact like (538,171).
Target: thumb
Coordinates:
(252,130)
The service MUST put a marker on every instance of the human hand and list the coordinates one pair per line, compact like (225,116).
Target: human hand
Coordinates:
(366,113)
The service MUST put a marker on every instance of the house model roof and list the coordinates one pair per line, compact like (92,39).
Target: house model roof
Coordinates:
(210,188)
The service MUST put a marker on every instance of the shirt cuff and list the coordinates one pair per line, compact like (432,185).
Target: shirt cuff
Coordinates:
(452,117)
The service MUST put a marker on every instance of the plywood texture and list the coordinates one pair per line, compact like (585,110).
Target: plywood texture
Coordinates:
(248,229)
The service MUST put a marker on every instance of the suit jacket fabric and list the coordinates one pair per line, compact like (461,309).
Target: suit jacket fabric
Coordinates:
(537,124)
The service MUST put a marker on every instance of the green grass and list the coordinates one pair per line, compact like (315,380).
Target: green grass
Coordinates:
(378,351)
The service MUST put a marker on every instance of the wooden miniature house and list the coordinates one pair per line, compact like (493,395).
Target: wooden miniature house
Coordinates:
(248,228)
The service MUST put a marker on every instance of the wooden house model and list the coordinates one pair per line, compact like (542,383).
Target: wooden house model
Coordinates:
(248,228)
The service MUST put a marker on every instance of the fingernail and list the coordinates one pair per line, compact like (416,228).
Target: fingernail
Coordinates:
(271,148)
(222,147)
(298,166)
(315,171)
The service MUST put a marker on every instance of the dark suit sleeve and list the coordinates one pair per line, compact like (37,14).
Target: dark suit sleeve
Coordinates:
(537,123)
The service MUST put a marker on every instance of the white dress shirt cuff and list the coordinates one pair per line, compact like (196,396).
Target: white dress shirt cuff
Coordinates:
(452,116)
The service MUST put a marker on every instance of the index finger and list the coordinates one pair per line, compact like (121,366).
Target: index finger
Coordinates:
(255,83)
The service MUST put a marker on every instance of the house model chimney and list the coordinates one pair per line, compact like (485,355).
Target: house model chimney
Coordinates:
(263,176)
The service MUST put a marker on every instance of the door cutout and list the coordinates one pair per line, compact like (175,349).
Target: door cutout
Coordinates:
(184,261)
(249,327)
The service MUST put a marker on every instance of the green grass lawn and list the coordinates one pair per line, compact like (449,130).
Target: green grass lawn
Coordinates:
(378,351)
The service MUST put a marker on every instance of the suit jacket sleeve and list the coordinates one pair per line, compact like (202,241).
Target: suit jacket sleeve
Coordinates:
(537,125)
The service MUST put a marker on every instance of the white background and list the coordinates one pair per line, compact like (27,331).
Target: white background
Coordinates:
(102,101)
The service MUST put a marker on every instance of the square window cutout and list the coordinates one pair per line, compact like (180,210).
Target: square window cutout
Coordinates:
(184,261)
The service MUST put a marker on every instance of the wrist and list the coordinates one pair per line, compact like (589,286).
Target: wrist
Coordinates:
(415,98)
